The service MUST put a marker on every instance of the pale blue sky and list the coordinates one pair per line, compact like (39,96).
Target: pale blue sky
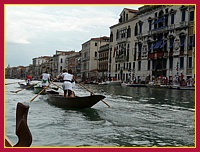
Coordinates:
(39,30)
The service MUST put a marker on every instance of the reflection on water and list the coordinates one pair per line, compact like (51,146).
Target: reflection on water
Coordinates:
(137,117)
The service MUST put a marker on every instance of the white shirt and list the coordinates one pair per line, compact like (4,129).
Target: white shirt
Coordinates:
(45,76)
(67,76)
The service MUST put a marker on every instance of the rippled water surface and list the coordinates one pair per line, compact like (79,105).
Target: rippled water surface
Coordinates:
(137,117)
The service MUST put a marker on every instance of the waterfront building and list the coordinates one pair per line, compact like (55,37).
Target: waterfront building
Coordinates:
(59,61)
(158,40)
(39,66)
(72,62)
(122,59)
(89,57)
(103,62)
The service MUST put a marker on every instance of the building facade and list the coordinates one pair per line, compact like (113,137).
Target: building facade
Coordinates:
(103,62)
(121,65)
(155,42)
(90,56)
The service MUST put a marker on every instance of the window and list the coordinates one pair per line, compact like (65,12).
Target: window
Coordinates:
(171,43)
(170,62)
(111,37)
(133,65)
(172,18)
(183,15)
(181,62)
(154,65)
(182,41)
(136,30)
(139,47)
(192,16)
(139,65)
(95,44)
(61,60)
(148,66)
(191,43)
(150,25)
(140,24)
(164,63)
(95,54)
(129,32)
(126,17)
(60,69)
(166,20)
(117,35)
(149,47)
(129,65)
(190,62)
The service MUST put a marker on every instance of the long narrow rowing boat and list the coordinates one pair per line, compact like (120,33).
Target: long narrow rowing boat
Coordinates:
(25,86)
(37,89)
(73,102)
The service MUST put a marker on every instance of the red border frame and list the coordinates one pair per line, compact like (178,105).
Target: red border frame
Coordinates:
(2,2)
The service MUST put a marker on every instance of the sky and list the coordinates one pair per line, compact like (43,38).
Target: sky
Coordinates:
(32,31)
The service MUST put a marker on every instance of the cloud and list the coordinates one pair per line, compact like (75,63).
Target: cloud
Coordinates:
(37,30)
(25,23)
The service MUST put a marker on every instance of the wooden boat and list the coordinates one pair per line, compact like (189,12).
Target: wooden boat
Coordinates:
(73,102)
(25,86)
(22,129)
(37,89)
(133,85)
(178,87)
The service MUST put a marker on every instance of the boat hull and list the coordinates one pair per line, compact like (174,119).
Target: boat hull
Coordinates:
(181,87)
(27,87)
(73,102)
(39,89)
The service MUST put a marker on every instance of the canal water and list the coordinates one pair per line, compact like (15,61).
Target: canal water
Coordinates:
(138,116)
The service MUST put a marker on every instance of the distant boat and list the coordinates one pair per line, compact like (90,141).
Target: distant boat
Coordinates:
(39,88)
(178,87)
(117,82)
(133,85)
(25,86)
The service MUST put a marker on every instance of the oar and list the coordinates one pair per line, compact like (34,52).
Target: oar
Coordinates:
(24,88)
(13,83)
(57,86)
(91,92)
(42,90)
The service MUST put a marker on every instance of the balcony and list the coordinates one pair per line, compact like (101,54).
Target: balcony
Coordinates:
(121,58)
(159,29)
(84,58)
(121,40)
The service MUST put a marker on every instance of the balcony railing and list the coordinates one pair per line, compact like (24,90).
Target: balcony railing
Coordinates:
(121,58)
(121,40)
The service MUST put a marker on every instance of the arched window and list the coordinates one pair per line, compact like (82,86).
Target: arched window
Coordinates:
(172,12)
(140,25)
(117,35)
(60,69)
(129,31)
(136,29)
(61,60)
(111,37)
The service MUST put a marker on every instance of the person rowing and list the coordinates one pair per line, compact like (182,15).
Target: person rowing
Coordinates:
(68,83)
(45,79)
